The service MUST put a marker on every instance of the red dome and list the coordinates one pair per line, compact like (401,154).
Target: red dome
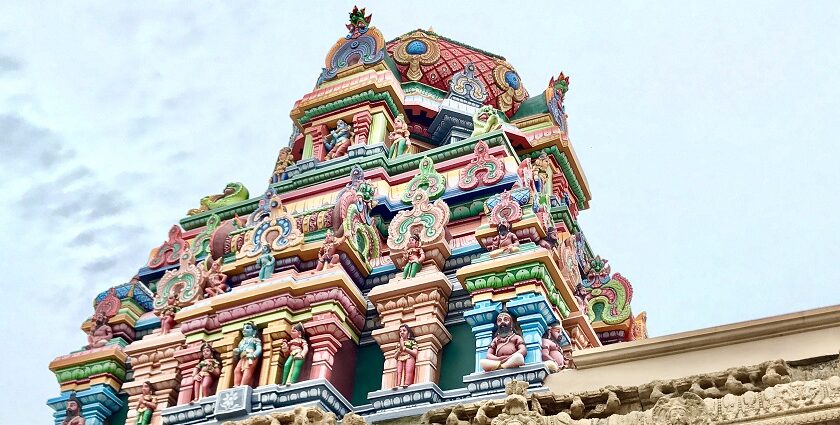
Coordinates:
(430,59)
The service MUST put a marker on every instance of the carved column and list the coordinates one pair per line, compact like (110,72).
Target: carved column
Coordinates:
(378,128)
(533,314)
(422,304)
(187,359)
(272,357)
(361,127)
(317,133)
(482,320)
(325,338)
(225,349)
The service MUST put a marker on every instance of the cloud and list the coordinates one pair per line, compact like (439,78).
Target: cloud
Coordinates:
(26,146)
(9,65)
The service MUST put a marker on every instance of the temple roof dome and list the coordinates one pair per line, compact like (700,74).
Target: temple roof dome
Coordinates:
(428,58)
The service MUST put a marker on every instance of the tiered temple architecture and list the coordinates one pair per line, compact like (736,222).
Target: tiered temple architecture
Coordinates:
(416,257)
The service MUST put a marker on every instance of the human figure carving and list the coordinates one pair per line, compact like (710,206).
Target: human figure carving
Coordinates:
(248,352)
(338,141)
(266,262)
(328,254)
(216,280)
(414,257)
(406,357)
(505,242)
(507,350)
(168,312)
(146,404)
(73,414)
(206,373)
(552,354)
(295,350)
(284,160)
(399,138)
(101,332)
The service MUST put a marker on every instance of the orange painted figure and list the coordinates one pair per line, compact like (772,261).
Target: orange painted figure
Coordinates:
(101,332)
(406,357)
(206,373)
(328,254)
(505,242)
(507,350)
(552,354)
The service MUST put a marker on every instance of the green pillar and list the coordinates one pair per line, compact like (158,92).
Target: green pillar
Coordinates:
(307,147)
(378,128)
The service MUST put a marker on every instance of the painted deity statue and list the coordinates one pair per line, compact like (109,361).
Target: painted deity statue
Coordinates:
(101,332)
(406,357)
(328,254)
(206,373)
(485,120)
(295,350)
(284,160)
(266,262)
(168,312)
(505,242)
(338,141)
(552,354)
(543,178)
(73,414)
(414,257)
(399,138)
(248,352)
(146,404)
(216,280)
(507,350)
(550,241)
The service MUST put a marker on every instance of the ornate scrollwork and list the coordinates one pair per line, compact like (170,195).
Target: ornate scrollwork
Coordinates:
(427,180)
(483,169)
(170,251)
(417,48)
(277,231)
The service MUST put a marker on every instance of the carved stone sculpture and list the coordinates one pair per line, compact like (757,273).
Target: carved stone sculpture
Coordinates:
(414,257)
(216,280)
(233,193)
(552,354)
(338,141)
(295,350)
(248,352)
(146,404)
(400,138)
(506,242)
(485,120)
(406,357)
(266,262)
(507,350)
(73,414)
(206,373)
(328,254)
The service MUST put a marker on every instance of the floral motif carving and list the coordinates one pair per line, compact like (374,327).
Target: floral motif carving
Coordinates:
(429,180)
(187,282)
(170,251)
(484,169)
(416,49)
(277,231)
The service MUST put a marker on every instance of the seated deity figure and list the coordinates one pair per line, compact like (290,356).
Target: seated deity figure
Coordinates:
(328,254)
(295,350)
(73,414)
(552,354)
(505,242)
(266,262)
(216,280)
(206,373)
(413,256)
(507,350)
(146,404)
(399,138)
(406,357)
(101,332)
(338,141)
(248,352)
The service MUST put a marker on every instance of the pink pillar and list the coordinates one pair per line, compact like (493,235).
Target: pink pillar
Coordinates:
(325,338)
(187,359)
(361,127)
(318,132)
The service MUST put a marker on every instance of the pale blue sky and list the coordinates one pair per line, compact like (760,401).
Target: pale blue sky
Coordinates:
(707,130)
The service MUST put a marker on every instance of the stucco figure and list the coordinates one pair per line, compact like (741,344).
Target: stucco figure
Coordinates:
(552,354)
(414,257)
(206,373)
(266,262)
(406,357)
(101,332)
(296,350)
(328,254)
(507,350)
(399,138)
(146,404)
(73,413)
(338,141)
(506,242)
(248,352)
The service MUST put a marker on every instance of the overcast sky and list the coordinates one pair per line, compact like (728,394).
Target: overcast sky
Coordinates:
(708,132)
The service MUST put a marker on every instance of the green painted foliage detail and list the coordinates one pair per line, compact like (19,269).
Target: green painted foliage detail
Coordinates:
(87,370)
(521,273)
(369,96)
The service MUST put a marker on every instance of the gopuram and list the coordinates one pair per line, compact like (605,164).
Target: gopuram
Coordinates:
(416,257)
